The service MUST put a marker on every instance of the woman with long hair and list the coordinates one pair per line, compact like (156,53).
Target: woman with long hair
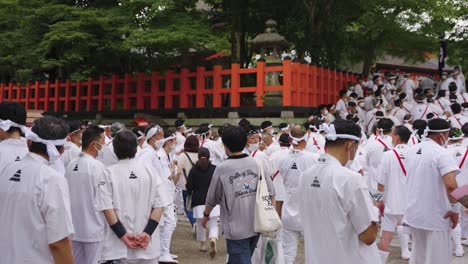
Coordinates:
(198,183)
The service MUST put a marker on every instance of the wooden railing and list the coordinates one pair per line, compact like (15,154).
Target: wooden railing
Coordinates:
(300,85)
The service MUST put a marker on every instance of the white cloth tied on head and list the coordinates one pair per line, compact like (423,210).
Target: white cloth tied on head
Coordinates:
(330,133)
(6,124)
(51,144)
(153,131)
(295,141)
(427,130)
(285,128)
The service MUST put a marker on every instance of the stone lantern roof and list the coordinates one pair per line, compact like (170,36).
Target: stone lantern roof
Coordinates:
(271,37)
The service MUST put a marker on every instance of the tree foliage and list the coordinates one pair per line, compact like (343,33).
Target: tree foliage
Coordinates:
(76,39)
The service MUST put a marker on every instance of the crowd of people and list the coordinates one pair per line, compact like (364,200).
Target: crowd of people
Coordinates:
(386,156)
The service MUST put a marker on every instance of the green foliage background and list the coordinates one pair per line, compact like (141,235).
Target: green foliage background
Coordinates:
(77,39)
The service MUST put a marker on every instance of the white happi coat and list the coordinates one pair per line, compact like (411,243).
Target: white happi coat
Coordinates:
(427,196)
(12,150)
(392,174)
(34,211)
(337,205)
(83,174)
(132,188)
(291,167)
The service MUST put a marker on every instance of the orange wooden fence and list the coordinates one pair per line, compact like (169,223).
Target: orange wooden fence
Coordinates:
(302,85)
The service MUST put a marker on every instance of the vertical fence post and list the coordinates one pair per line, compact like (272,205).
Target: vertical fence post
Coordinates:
(200,88)
(100,106)
(126,92)
(10,91)
(305,81)
(140,91)
(168,95)
(2,93)
(113,96)
(88,94)
(184,88)
(235,85)
(46,95)
(78,96)
(287,82)
(296,83)
(28,95)
(18,92)
(313,84)
(154,91)
(36,95)
(217,85)
(57,94)
(67,95)
(260,83)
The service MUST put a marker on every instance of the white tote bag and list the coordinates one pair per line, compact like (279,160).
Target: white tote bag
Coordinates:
(266,219)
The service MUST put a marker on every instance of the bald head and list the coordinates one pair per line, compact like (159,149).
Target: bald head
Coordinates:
(297,132)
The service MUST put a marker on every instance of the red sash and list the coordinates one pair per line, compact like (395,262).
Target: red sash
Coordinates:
(412,139)
(274,176)
(401,86)
(399,161)
(438,101)
(254,153)
(383,143)
(464,158)
(406,109)
(458,121)
(315,143)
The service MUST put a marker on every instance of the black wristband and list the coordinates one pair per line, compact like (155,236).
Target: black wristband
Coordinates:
(205,215)
(118,229)
(151,226)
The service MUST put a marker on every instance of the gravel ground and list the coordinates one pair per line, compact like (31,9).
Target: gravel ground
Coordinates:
(186,247)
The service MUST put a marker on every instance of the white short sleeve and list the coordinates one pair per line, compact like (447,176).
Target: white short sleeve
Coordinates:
(55,209)
(383,171)
(446,163)
(360,209)
(160,197)
(104,192)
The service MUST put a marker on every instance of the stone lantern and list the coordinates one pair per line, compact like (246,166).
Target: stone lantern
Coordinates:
(270,45)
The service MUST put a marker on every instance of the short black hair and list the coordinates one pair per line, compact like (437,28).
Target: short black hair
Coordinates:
(419,126)
(125,144)
(90,134)
(456,108)
(453,87)
(284,140)
(244,122)
(437,124)
(191,144)
(266,124)
(138,131)
(398,102)
(221,129)
(74,125)
(351,104)
(347,127)
(403,132)
(385,124)
(234,138)
(464,129)
(178,123)
(402,96)
(14,112)
(441,93)
(49,128)
(343,92)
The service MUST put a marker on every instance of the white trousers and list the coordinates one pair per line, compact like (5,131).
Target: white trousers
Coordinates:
(290,239)
(213,229)
(138,261)
(431,247)
(86,252)
(464,223)
(167,226)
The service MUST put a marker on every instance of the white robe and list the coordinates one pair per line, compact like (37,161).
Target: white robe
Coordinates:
(337,205)
(34,211)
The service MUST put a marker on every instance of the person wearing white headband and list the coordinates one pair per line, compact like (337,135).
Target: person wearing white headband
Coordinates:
(457,119)
(171,174)
(36,230)
(375,150)
(180,137)
(12,126)
(203,134)
(140,134)
(431,211)
(132,198)
(315,139)
(83,174)
(291,167)
(346,229)
(73,145)
(391,179)
(458,151)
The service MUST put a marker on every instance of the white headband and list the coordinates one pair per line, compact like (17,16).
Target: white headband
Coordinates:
(295,141)
(6,124)
(285,128)
(141,135)
(456,138)
(52,151)
(262,130)
(427,130)
(182,126)
(167,139)
(330,133)
(153,131)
